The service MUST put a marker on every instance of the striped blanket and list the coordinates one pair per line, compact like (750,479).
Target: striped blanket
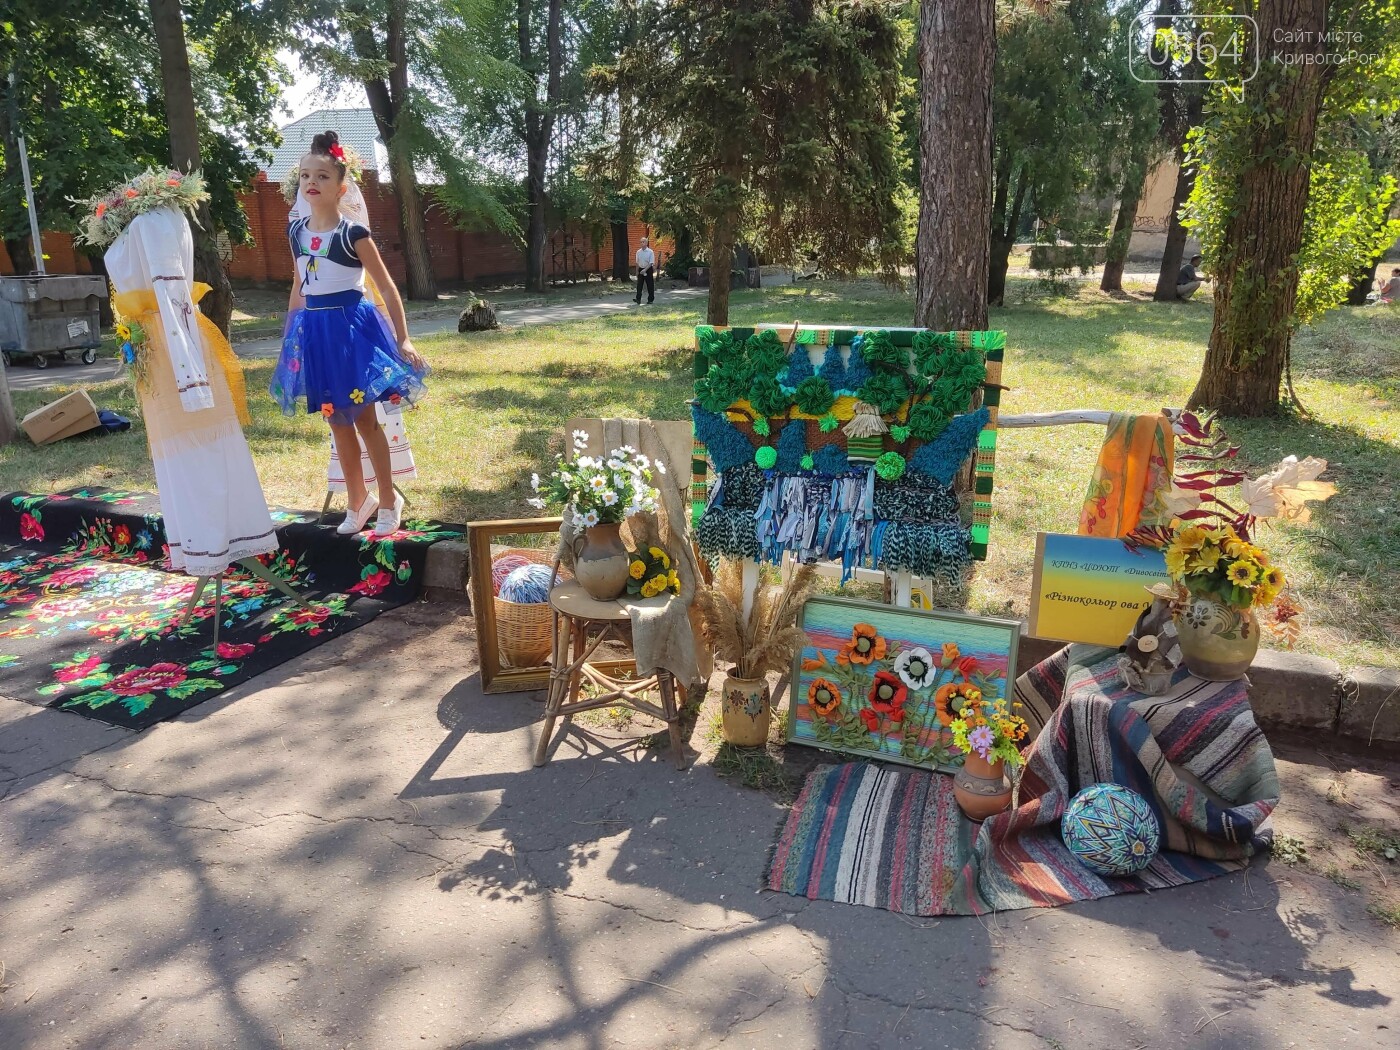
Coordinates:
(894,838)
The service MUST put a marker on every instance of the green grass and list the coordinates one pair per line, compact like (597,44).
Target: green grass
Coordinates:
(498,400)
(1386,913)
(1375,842)
(1346,882)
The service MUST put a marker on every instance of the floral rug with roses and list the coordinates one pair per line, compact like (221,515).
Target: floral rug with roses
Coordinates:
(92,621)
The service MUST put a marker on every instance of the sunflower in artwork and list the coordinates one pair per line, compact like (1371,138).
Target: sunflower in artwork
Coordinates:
(865,647)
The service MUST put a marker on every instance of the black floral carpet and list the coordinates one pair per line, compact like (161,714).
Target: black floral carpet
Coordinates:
(92,622)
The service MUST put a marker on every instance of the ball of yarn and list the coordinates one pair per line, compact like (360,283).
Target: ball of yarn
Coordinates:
(527,585)
(503,566)
(1111,830)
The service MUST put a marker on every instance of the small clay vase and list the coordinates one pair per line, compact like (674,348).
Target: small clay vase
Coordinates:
(748,711)
(1218,642)
(981,787)
(601,561)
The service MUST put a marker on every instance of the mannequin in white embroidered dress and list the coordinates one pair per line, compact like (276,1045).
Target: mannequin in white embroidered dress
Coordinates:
(213,505)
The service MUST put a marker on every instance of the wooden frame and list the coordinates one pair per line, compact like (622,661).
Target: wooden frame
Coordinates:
(918,739)
(494,677)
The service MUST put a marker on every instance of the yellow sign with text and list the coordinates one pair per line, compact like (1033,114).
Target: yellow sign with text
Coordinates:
(1089,589)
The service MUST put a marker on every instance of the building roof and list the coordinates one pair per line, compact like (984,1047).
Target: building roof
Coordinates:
(356,128)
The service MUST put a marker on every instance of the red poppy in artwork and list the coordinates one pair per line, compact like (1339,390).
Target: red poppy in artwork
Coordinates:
(233,651)
(967,666)
(887,695)
(29,528)
(141,680)
(77,672)
(121,535)
(871,719)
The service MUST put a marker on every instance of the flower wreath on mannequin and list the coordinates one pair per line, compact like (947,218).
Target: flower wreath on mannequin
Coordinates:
(354,208)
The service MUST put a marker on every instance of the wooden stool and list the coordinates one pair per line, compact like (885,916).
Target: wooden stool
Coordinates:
(581,625)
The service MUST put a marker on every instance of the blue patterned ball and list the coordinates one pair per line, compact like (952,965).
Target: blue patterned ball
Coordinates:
(1111,830)
(527,585)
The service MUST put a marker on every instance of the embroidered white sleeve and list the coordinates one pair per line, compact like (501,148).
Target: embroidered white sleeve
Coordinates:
(186,344)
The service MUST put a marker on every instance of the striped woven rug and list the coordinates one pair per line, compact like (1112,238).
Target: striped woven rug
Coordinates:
(894,838)
(873,835)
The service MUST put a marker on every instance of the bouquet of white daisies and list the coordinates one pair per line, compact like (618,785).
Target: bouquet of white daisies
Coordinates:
(595,490)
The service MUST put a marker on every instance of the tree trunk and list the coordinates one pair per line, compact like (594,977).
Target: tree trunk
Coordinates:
(1257,274)
(1363,285)
(957,53)
(387,99)
(539,131)
(621,264)
(536,232)
(1112,280)
(21,254)
(1006,220)
(176,86)
(721,266)
(413,212)
(1176,233)
(9,426)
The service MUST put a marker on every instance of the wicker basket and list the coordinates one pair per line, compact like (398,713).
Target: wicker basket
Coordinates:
(525,633)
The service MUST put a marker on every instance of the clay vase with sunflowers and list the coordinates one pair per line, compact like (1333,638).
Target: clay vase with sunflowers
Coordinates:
(747,707)
(1218,641)
(981,787)
(601,561)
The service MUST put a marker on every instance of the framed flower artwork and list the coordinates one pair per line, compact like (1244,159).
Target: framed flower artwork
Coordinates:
(875,681)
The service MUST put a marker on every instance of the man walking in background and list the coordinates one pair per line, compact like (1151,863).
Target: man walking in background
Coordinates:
(646,272)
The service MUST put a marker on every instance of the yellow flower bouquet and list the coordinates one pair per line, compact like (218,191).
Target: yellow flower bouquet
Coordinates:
(1220,563)
(652,573)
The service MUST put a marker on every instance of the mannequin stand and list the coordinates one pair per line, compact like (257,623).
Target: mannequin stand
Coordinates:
(253,566)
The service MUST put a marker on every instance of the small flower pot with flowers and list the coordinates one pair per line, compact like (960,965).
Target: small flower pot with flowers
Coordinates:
(599,494)
(989,735)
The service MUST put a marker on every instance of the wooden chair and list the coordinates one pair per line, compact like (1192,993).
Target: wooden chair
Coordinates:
(583,624)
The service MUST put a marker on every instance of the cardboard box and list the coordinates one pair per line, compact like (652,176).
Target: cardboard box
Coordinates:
(71,414)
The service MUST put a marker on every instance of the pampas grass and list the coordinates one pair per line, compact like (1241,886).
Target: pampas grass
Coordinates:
(768,638)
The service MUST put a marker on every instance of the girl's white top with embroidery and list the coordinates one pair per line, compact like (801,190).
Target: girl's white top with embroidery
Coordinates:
(327,261)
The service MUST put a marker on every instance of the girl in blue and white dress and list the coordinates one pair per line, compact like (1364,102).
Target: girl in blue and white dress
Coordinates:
(340,355)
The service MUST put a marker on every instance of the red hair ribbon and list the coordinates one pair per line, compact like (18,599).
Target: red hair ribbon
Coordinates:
(337,151)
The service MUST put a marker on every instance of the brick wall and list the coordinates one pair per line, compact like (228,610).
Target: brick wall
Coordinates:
(60,257)
(459,256)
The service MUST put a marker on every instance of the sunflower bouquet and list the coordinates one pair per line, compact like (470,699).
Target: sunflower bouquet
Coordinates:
(1210,547)
(651,573)
(1219,563)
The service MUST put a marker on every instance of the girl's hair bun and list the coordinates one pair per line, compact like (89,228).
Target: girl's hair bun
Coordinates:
(327,144)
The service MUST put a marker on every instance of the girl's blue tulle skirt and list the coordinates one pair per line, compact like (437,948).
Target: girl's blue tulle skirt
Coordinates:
(339,357)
